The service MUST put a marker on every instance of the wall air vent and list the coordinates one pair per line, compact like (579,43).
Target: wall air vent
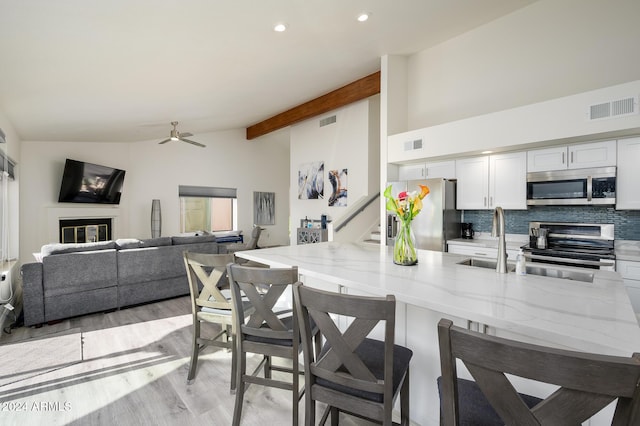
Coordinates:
(414,144)
(327,120)
(613,109)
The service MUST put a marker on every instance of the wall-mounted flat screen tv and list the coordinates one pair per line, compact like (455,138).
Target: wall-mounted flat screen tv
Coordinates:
(90,183)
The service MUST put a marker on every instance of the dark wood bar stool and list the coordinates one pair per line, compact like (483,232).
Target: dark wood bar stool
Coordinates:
(353,374)
(587,382)
(266,331)
(210,303)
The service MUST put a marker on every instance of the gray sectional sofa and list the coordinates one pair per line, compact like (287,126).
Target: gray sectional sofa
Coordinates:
(78,279)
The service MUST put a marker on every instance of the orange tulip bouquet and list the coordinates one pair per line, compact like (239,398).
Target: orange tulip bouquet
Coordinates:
(406,206)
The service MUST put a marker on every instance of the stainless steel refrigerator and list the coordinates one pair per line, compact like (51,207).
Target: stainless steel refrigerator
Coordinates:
(438,222)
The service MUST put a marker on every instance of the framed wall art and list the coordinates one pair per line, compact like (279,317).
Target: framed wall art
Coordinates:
(264,208)
(338,182)
(311,181)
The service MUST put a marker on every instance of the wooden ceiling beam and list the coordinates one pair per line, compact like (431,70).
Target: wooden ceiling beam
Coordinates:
(352,92)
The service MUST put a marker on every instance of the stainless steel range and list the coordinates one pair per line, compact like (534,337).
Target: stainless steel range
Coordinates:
(585,245)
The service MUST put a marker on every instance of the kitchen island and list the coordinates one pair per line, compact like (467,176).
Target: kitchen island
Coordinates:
(585,316)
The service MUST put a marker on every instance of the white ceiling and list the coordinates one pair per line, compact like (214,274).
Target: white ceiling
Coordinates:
(121,70)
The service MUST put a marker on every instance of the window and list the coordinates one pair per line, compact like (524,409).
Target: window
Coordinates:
(204,208)
(7,167)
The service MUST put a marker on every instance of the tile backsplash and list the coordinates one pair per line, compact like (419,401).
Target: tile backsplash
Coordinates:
(627,222)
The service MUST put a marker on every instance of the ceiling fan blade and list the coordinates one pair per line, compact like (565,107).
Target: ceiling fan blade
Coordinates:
(186,134)
(164,141)
(192,142)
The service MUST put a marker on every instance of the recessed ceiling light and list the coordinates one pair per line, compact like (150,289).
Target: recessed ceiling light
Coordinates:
(363,16)
(280,28)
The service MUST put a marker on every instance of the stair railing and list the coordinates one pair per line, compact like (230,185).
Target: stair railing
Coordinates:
(356,211)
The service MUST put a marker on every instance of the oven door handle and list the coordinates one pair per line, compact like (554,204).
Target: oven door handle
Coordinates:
(570,260)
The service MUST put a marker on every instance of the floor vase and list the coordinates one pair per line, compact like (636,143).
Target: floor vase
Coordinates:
(156,219)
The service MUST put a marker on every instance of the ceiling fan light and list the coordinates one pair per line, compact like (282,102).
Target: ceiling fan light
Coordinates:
(174,138)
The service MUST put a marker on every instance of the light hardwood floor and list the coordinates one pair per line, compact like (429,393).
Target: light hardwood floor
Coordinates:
(133,372)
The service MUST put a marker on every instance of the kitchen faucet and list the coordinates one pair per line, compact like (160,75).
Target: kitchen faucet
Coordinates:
(497,230)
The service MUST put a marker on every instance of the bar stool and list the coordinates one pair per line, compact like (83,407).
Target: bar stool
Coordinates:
(587,382)
(353,373)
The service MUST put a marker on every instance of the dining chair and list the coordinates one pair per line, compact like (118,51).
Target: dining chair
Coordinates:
(586,382)
(210,303)
(353,373)
(249,245)
(269,331)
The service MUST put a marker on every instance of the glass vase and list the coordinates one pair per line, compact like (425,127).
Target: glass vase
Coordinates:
(404,248)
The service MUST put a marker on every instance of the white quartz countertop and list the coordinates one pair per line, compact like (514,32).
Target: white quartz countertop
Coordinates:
(594,317)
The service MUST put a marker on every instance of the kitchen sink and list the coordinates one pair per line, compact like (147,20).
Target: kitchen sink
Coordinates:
(485,263)
(545,271)
(568,274)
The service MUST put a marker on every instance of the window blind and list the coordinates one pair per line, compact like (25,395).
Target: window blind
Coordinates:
(206,191)
(7,165)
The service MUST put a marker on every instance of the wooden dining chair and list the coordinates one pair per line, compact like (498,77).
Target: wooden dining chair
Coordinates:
(210,303)
(353,373)
(268,331)
(587,382)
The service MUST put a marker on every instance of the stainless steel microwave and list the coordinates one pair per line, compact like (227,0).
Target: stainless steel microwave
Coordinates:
(572,187)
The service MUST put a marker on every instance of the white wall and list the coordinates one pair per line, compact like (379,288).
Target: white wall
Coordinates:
(351,143)
(550,49)
(154,171)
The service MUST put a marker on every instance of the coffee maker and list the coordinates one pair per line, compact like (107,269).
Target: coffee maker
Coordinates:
(467,230)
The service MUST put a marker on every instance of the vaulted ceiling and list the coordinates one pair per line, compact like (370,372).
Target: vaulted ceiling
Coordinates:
(122,70)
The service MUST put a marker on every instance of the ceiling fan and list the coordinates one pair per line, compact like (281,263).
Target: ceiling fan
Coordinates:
(177,136)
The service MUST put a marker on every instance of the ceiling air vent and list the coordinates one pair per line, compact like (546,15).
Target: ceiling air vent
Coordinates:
(327,120)
(613,109)
(411,145)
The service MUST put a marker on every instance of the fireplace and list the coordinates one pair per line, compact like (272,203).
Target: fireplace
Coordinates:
(85,230)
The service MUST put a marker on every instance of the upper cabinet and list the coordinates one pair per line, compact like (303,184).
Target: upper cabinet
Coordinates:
(487,182)
(441,169)
(628,174)
(472,190)
(429,170)
(596,154)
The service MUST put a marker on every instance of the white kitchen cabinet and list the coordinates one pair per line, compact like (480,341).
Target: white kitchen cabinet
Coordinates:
(473,251)
(473,183)
(579,156)
(440,169)
(479,252)
(411,171)
(595,154)
(491,181)
(541,160)
(628,178)
(428,170)
(630,272)
(508,181)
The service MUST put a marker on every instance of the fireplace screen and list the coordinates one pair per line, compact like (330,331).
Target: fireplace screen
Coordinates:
(85,230)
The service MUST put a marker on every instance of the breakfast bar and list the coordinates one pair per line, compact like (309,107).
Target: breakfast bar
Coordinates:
(591,316)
